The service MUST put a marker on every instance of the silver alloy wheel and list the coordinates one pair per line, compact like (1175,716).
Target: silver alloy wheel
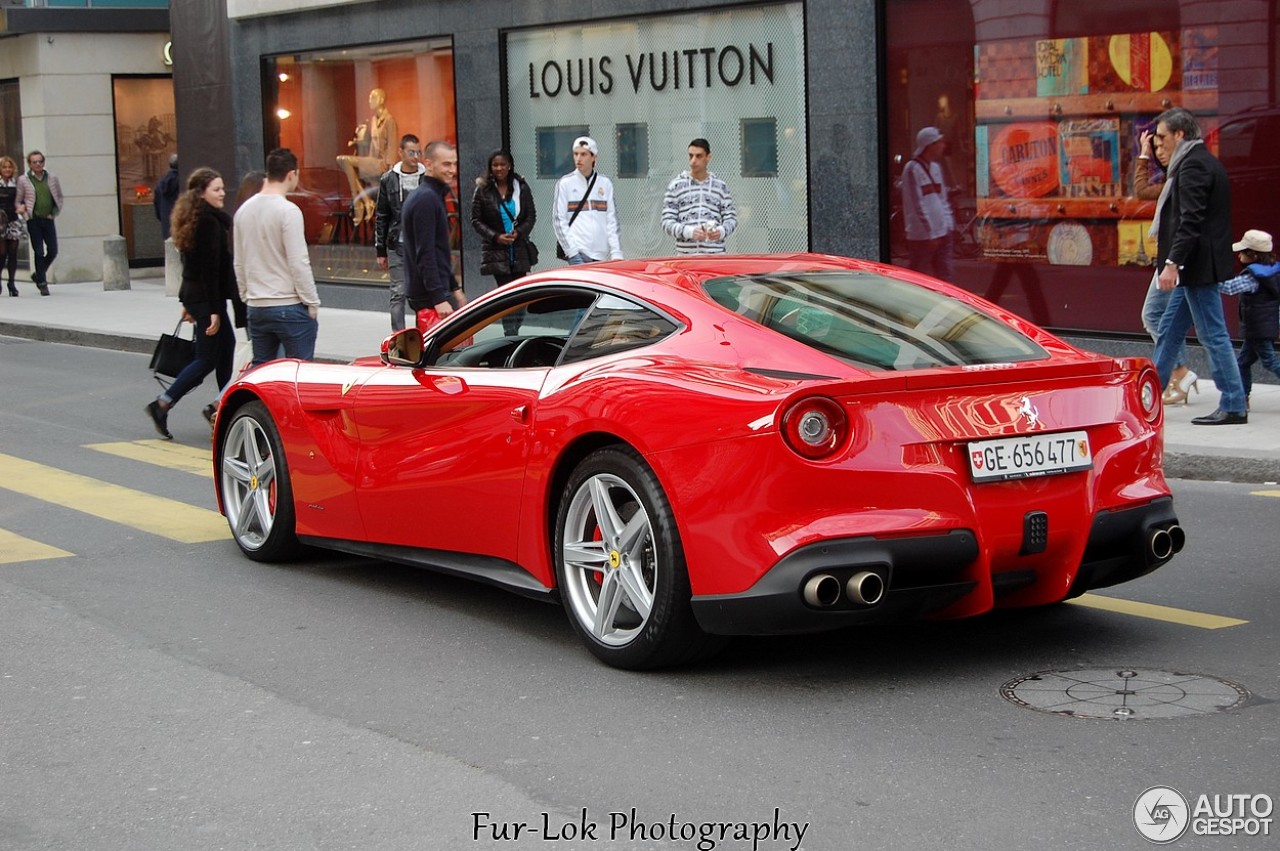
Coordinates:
(609,557)
(249,482)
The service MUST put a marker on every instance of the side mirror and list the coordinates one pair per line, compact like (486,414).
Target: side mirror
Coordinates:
(403,348)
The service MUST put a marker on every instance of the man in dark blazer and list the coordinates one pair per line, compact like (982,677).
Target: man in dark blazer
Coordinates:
(1193,232)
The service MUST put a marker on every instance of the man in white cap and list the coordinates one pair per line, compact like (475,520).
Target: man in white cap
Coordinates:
(926,209)
(585,215)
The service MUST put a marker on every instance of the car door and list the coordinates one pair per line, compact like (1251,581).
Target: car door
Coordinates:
(443,446)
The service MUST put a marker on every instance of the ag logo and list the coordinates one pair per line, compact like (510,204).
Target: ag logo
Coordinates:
(1161,814)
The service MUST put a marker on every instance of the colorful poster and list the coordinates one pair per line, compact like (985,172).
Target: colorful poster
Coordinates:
(1135,246)
(1062,67)
(1006,69)
(1200,59)
(1089,158)
(1024,159)
(1143,62)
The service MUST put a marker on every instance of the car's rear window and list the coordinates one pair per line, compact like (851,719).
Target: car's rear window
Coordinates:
(873,321)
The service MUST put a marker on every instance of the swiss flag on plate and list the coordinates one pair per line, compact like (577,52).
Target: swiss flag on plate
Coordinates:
(977,460)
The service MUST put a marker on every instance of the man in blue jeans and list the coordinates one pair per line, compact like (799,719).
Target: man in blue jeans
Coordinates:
(1193,234)
(273,268)
(40,200)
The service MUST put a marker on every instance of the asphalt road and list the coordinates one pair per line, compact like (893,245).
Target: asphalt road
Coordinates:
(159,691)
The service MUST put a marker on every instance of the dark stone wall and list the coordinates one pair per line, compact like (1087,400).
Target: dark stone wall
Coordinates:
(202,89)
(844,133)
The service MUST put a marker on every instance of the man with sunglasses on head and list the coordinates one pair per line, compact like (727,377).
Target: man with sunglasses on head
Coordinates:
(395,185)
(40,200)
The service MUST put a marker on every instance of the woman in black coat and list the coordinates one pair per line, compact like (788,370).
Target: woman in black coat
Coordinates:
(201,230)
(502,212)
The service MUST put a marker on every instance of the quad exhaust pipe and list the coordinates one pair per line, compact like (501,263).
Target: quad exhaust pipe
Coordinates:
(1163,544)
(865,588)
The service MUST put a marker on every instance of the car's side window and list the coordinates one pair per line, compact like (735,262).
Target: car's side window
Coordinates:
(528,333)
(615,324)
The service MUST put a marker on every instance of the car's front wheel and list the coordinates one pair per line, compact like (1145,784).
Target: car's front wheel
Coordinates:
(256,492)
(621,568)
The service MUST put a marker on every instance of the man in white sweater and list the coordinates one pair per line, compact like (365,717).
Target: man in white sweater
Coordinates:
(585,216)
(273,268)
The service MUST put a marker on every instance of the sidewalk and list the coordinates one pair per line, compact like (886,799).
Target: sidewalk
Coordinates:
(132,320)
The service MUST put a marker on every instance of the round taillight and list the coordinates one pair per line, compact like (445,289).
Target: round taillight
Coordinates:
(815,427)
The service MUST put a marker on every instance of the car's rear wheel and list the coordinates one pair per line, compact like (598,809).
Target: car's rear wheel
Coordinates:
(256,492)
(620,565)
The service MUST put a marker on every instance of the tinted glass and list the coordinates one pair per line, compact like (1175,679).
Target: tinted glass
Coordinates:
(872,321)
(615,324)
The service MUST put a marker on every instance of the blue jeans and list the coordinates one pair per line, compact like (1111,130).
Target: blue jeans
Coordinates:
(44,248)
(579,259)
(1250,353)
(932,257)
(290,326)
(1152,309)
(1203,306)
(216,353)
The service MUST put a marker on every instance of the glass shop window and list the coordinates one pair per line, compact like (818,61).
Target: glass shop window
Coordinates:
(343,113)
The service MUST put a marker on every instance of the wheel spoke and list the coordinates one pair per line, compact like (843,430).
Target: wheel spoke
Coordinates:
(585,555)
(635,535)
(607,605)
(632,582)
(610,523)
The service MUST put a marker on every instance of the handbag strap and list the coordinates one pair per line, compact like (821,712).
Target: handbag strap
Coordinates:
(590,186)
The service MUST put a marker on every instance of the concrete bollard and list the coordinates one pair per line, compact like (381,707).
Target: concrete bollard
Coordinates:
(115,264)
(172,269)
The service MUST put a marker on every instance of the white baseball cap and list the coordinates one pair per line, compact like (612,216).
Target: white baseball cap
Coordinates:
(588,143)
(1254,240)
(925,138)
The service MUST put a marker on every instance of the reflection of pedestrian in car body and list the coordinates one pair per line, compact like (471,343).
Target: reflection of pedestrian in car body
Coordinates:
(594,233)
(927,209)
(430,288)
(1193,230)
(697,209)
(1182,380)
(503,213)
(395,186)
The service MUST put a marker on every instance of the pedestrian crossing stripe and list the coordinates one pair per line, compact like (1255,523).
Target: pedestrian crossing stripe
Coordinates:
(136,509)
(1264,493)
(14,548)
(1154,612)
(162,453)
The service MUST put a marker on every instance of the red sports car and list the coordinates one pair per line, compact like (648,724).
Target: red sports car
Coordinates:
(684,449)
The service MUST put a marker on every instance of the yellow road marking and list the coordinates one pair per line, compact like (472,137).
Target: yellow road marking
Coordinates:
(1264,493)
(162,453)
(1154,612)
(15,548)
(167,518)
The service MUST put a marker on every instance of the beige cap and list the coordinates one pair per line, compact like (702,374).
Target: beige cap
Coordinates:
(1254,240)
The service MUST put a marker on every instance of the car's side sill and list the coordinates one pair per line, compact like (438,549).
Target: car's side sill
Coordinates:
(486,569)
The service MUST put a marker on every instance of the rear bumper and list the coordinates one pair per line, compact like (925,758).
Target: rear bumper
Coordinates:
(925,574)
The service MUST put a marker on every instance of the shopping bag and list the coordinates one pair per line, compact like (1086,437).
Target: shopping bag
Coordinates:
(172,354)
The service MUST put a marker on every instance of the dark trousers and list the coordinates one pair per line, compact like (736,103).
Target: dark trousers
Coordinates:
(10,263)
(212,354)
(44,247)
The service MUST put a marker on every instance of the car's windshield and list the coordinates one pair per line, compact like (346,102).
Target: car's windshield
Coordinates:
(873,321)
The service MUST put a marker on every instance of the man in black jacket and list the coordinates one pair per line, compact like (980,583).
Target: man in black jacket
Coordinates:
(1193,232)
(430,288)
(395,185)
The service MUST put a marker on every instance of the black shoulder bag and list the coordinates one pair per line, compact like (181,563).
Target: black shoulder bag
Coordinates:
(592,185)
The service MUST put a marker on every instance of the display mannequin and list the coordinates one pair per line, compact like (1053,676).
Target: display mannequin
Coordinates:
(375,143)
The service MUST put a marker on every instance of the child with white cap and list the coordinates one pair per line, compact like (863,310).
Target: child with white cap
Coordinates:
(1259,289)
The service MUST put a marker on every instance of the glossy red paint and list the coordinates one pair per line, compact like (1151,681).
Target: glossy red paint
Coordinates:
(474,461)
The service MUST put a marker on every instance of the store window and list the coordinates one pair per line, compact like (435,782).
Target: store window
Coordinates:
(146,136)
(1043,111)
(342,112)
(10,121)
(644,88)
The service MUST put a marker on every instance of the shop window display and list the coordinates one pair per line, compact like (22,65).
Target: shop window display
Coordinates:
(1043,114)
(342,112)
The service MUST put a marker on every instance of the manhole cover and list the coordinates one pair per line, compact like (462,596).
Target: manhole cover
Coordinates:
(1125,695)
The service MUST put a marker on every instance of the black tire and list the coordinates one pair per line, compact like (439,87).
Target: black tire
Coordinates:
(624,583)
(257,495)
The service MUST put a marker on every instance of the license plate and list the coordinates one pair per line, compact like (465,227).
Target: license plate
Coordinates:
(1029,455)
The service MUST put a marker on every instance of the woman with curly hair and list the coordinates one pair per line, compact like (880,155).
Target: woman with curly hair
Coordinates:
(201,231)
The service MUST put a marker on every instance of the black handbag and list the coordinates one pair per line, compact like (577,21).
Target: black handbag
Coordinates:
(560,248)
(172,354)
